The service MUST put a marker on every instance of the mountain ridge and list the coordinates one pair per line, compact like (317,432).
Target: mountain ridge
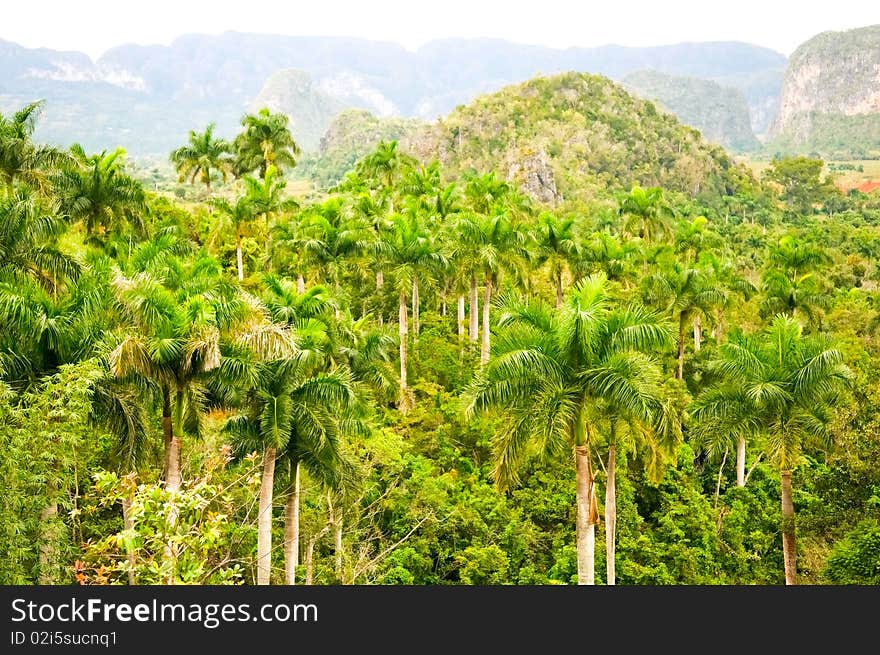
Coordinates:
(167,90)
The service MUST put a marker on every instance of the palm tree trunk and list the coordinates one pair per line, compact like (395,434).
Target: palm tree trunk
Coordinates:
(238,259)
(741,462)
(337,547)
(300,284)
(474,310)
(264,518)
(698,333)
(789,546)
(611,515)
(335,520)
(172,481)
(680,374)
(128,525)
(415,310)
(167,429)
(310,560)
(403,332)
(291,530)
(585,527)
(460,318)
(559,289)
(484,347)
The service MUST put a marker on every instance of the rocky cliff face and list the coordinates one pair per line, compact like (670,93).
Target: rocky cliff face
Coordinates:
(831,93)
(310,110)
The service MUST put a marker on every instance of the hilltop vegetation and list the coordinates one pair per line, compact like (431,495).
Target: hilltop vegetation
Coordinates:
(569,135)
(721,114)
(350,136)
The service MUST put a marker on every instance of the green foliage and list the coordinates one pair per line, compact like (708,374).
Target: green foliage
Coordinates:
(202,537)
(719,112)
(129,347)
(856,559)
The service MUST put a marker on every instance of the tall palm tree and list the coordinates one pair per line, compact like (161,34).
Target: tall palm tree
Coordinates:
(686,293)
(557,246)
(292,407)
(182,326)
(781,386)
(497,247)
(609,254)
(412,254)
(203,155)
(331,239)
(553,375)
(264,141)
(238,216)
(97,192)
(267,198)
(646,213)
(791,284)
(803,296)
(22,160)
(353,361)
(383,169)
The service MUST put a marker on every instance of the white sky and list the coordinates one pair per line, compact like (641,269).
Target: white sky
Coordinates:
(93,26)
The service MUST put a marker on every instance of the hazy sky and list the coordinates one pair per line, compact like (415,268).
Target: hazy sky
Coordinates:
(93,26)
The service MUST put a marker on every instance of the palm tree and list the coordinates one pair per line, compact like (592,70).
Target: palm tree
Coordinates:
(791,285)
(801,296)
(318,418)
(265,141)
(781,386)
(686,293)
(29,231)
(22,160)
(294,408)
(411,253)
(553,375)
(331,240)
(646,213)
(201,156)
(496,246)
(238,216)
(606,252)
(557,246)
(42,329)
(97,192)
(183,326)
(267,198)
(383,169)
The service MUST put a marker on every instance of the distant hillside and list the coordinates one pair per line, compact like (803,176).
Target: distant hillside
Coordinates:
(146,98)
(721,114)
(563,136)
(310,110)
(830,101)
(352,134)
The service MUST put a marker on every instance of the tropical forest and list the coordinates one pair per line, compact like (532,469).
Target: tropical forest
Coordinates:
(556,336)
